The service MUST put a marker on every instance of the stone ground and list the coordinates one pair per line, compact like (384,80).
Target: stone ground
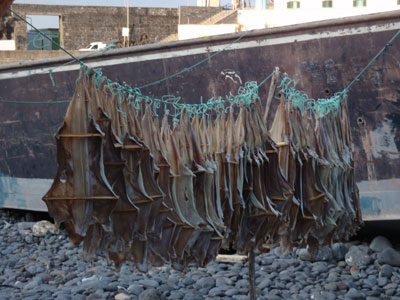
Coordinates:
(46,267)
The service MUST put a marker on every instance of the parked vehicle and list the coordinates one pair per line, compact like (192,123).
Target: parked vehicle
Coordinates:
(95,46)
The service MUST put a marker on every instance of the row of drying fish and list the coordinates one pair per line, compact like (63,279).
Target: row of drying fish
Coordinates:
(132,188)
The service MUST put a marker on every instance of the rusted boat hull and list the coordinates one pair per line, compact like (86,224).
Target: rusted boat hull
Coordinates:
(325,56)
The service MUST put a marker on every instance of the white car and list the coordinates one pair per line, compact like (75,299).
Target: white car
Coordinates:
(95,46)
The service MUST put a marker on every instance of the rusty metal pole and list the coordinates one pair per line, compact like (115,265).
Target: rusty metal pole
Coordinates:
(252,274)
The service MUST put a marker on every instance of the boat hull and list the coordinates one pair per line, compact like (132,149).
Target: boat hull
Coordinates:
(325,57)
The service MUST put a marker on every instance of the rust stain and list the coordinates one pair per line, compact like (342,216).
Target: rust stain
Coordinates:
(366,144)
(8,122)
(394,183)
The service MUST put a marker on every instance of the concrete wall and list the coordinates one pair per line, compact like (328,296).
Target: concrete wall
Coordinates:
(81,25)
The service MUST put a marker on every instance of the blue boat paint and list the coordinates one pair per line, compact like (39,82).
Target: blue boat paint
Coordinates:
(23,193)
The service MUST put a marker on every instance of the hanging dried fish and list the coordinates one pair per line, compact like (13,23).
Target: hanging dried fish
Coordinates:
(80,193)
(133,189)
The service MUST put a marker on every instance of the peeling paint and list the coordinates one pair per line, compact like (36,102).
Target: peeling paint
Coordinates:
(379,199)
(231,75)
(331,71)
(314,69)
(23,193)
(371,205)
(383,141)
(367,146)
(8,122)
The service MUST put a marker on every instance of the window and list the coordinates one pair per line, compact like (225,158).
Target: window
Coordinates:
(293,4)
(328,3)
(359,3)
(50,26)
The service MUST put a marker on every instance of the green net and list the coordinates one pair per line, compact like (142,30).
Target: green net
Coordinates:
(172,105)
(246,96)
(300,100)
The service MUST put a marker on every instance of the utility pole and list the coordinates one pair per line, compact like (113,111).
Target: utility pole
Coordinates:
(127,13)
(127,33)
(127,22)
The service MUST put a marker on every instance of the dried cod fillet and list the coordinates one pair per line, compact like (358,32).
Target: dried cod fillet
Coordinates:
(159,209)
(172,226)
(197,245)
(124,216)
(80,193)
(154,195)
(187,229)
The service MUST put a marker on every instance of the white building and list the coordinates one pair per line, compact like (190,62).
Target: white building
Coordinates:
(272,13)
(288,12)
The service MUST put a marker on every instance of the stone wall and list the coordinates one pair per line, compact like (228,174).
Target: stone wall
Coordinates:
(7,57)
(81,25)
(197,14)
(231,19)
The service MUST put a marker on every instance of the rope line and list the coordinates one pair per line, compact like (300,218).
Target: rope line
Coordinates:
(195,65)
(35,102)
(148,84)
(265,80)
(372,61)
(247,94)
(45,36)
(53,82)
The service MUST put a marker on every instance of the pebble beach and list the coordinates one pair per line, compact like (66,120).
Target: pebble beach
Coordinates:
(37,266)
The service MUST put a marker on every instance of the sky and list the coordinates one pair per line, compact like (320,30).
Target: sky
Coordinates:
(52,22)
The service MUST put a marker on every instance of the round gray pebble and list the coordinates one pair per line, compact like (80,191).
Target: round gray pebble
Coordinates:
(47,267)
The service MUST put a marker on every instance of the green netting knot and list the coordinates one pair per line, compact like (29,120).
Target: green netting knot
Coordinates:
(53,83)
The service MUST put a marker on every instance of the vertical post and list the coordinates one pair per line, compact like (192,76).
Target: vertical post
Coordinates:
(127,13)
(127,38)
(61,30)
(252,274)
(271,93)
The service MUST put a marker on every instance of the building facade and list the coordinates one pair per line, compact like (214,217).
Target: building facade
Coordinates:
(353,5)
(289,12)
